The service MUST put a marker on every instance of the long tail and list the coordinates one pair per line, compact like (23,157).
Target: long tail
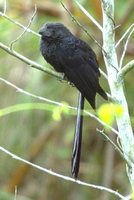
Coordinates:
(77,137)
(102,93)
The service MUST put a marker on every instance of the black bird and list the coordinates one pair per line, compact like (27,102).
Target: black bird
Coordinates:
(75,58)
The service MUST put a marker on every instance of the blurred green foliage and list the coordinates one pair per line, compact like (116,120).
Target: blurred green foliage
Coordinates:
(34,134)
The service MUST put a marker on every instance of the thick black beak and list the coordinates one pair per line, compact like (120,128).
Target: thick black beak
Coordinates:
(41,31)
(44,32)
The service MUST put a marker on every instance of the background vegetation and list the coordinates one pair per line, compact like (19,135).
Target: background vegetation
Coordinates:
(34,134)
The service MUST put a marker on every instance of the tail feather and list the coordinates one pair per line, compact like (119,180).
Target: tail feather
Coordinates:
(102,93)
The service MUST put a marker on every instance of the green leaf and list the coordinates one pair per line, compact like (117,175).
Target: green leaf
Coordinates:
(65,108)
(57,111)
(107,112)
(57,114)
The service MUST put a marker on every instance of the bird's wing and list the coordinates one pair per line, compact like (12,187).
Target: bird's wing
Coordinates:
(81,74)
(88,54)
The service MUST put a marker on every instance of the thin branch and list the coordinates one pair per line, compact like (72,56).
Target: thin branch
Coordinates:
(15,193)
(89,16)
(113,144)
(18,24)
(29,62)
(101,122)
(57,103)
(129,66)
(125,47)
(5,7)
(25,30)
(124,35)
(62,176)
(82,27)
(18,89)
(103,74)
(129,197)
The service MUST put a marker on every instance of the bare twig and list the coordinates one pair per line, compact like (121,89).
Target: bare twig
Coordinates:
(125,70)
(124,35)
(18,24)
(103,74)
(18,89)
(57,103)
(108,167)
(30,62)
(125,47)
(61,176)
(89,16)
(129,197)
(5,7)
(82,27)
(25,30)
(112,143)
(15,193)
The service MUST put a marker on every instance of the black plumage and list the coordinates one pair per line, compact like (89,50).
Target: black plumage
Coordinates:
(73,57)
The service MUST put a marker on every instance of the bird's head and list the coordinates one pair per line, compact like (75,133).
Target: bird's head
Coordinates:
(54,31)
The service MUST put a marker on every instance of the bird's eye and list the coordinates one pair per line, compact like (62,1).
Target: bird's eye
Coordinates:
(51,30)
(48,27)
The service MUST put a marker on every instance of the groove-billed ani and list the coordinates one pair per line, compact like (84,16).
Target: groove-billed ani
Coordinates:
(73,57)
